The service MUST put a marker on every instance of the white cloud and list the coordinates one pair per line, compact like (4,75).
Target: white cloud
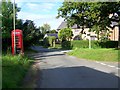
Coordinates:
(53,22)
(32,16)
(37,12)
(40,7)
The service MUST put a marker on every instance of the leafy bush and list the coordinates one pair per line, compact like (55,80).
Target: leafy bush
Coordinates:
(66,45)
(109,44)
(80,44)
(49,41)
(46,42)
(94,44)
(65,34)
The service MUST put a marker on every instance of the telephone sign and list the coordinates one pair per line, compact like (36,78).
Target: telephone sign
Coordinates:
(17,41)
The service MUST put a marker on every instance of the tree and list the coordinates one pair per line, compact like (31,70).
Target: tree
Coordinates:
(7,17)
(31,34)
(53,31)
(46,27)
(65,34)
(88,14)
(7,22)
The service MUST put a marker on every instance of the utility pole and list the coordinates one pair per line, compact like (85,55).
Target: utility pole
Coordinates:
(14,26)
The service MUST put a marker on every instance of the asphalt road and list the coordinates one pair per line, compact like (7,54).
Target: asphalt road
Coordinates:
(57,70)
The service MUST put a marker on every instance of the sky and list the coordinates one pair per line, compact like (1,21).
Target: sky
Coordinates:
(40,12)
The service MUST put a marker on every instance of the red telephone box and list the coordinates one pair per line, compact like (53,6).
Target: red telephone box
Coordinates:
(17,41)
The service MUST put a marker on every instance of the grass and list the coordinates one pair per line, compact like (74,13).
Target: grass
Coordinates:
(14,69)
(97,54)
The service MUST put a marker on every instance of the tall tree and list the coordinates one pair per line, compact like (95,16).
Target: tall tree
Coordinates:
(46,27)
(65,34)
(53,31)
(7,17)
(7,21)
(88,14)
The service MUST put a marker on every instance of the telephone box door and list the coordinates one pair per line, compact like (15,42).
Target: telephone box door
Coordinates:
(17,41)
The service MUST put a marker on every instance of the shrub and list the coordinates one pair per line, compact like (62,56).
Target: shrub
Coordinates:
(65,34)
(46,42)
(94,44)
(49,41)
(109,44)
(66,45)
(80,44)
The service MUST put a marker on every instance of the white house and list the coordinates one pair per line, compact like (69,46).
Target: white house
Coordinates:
(85,34)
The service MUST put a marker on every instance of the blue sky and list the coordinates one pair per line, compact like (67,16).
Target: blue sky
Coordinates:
(40,12)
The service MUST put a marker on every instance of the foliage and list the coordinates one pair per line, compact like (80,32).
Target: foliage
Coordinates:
(66,45)
(52,40)
(104,36)
(31,34)
(7,22)
(84,44)
(80,44)
(65,34)
(53,31)
(46,42)
(96,54)
(89,14)
(108,44)
(49,41)
(97,30)
(14,69)
(94,44)
(46,27)
(7,17)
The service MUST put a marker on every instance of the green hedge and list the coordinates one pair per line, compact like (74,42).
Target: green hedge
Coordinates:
(109,44)
(94,44)
(66,45)
(84,44)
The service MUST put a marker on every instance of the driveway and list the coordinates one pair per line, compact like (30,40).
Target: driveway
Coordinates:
(57,70)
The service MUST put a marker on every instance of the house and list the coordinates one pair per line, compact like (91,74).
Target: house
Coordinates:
(114,35)
(52,34)
(85,35)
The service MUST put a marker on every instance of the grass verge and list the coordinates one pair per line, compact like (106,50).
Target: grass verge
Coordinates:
(110,55)
(14,69)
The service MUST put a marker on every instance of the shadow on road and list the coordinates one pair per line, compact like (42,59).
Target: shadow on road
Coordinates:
(47,55)
(42,50)
(41,56)
(76,77)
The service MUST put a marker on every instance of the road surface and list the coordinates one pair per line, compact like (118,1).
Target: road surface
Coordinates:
(57,70)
